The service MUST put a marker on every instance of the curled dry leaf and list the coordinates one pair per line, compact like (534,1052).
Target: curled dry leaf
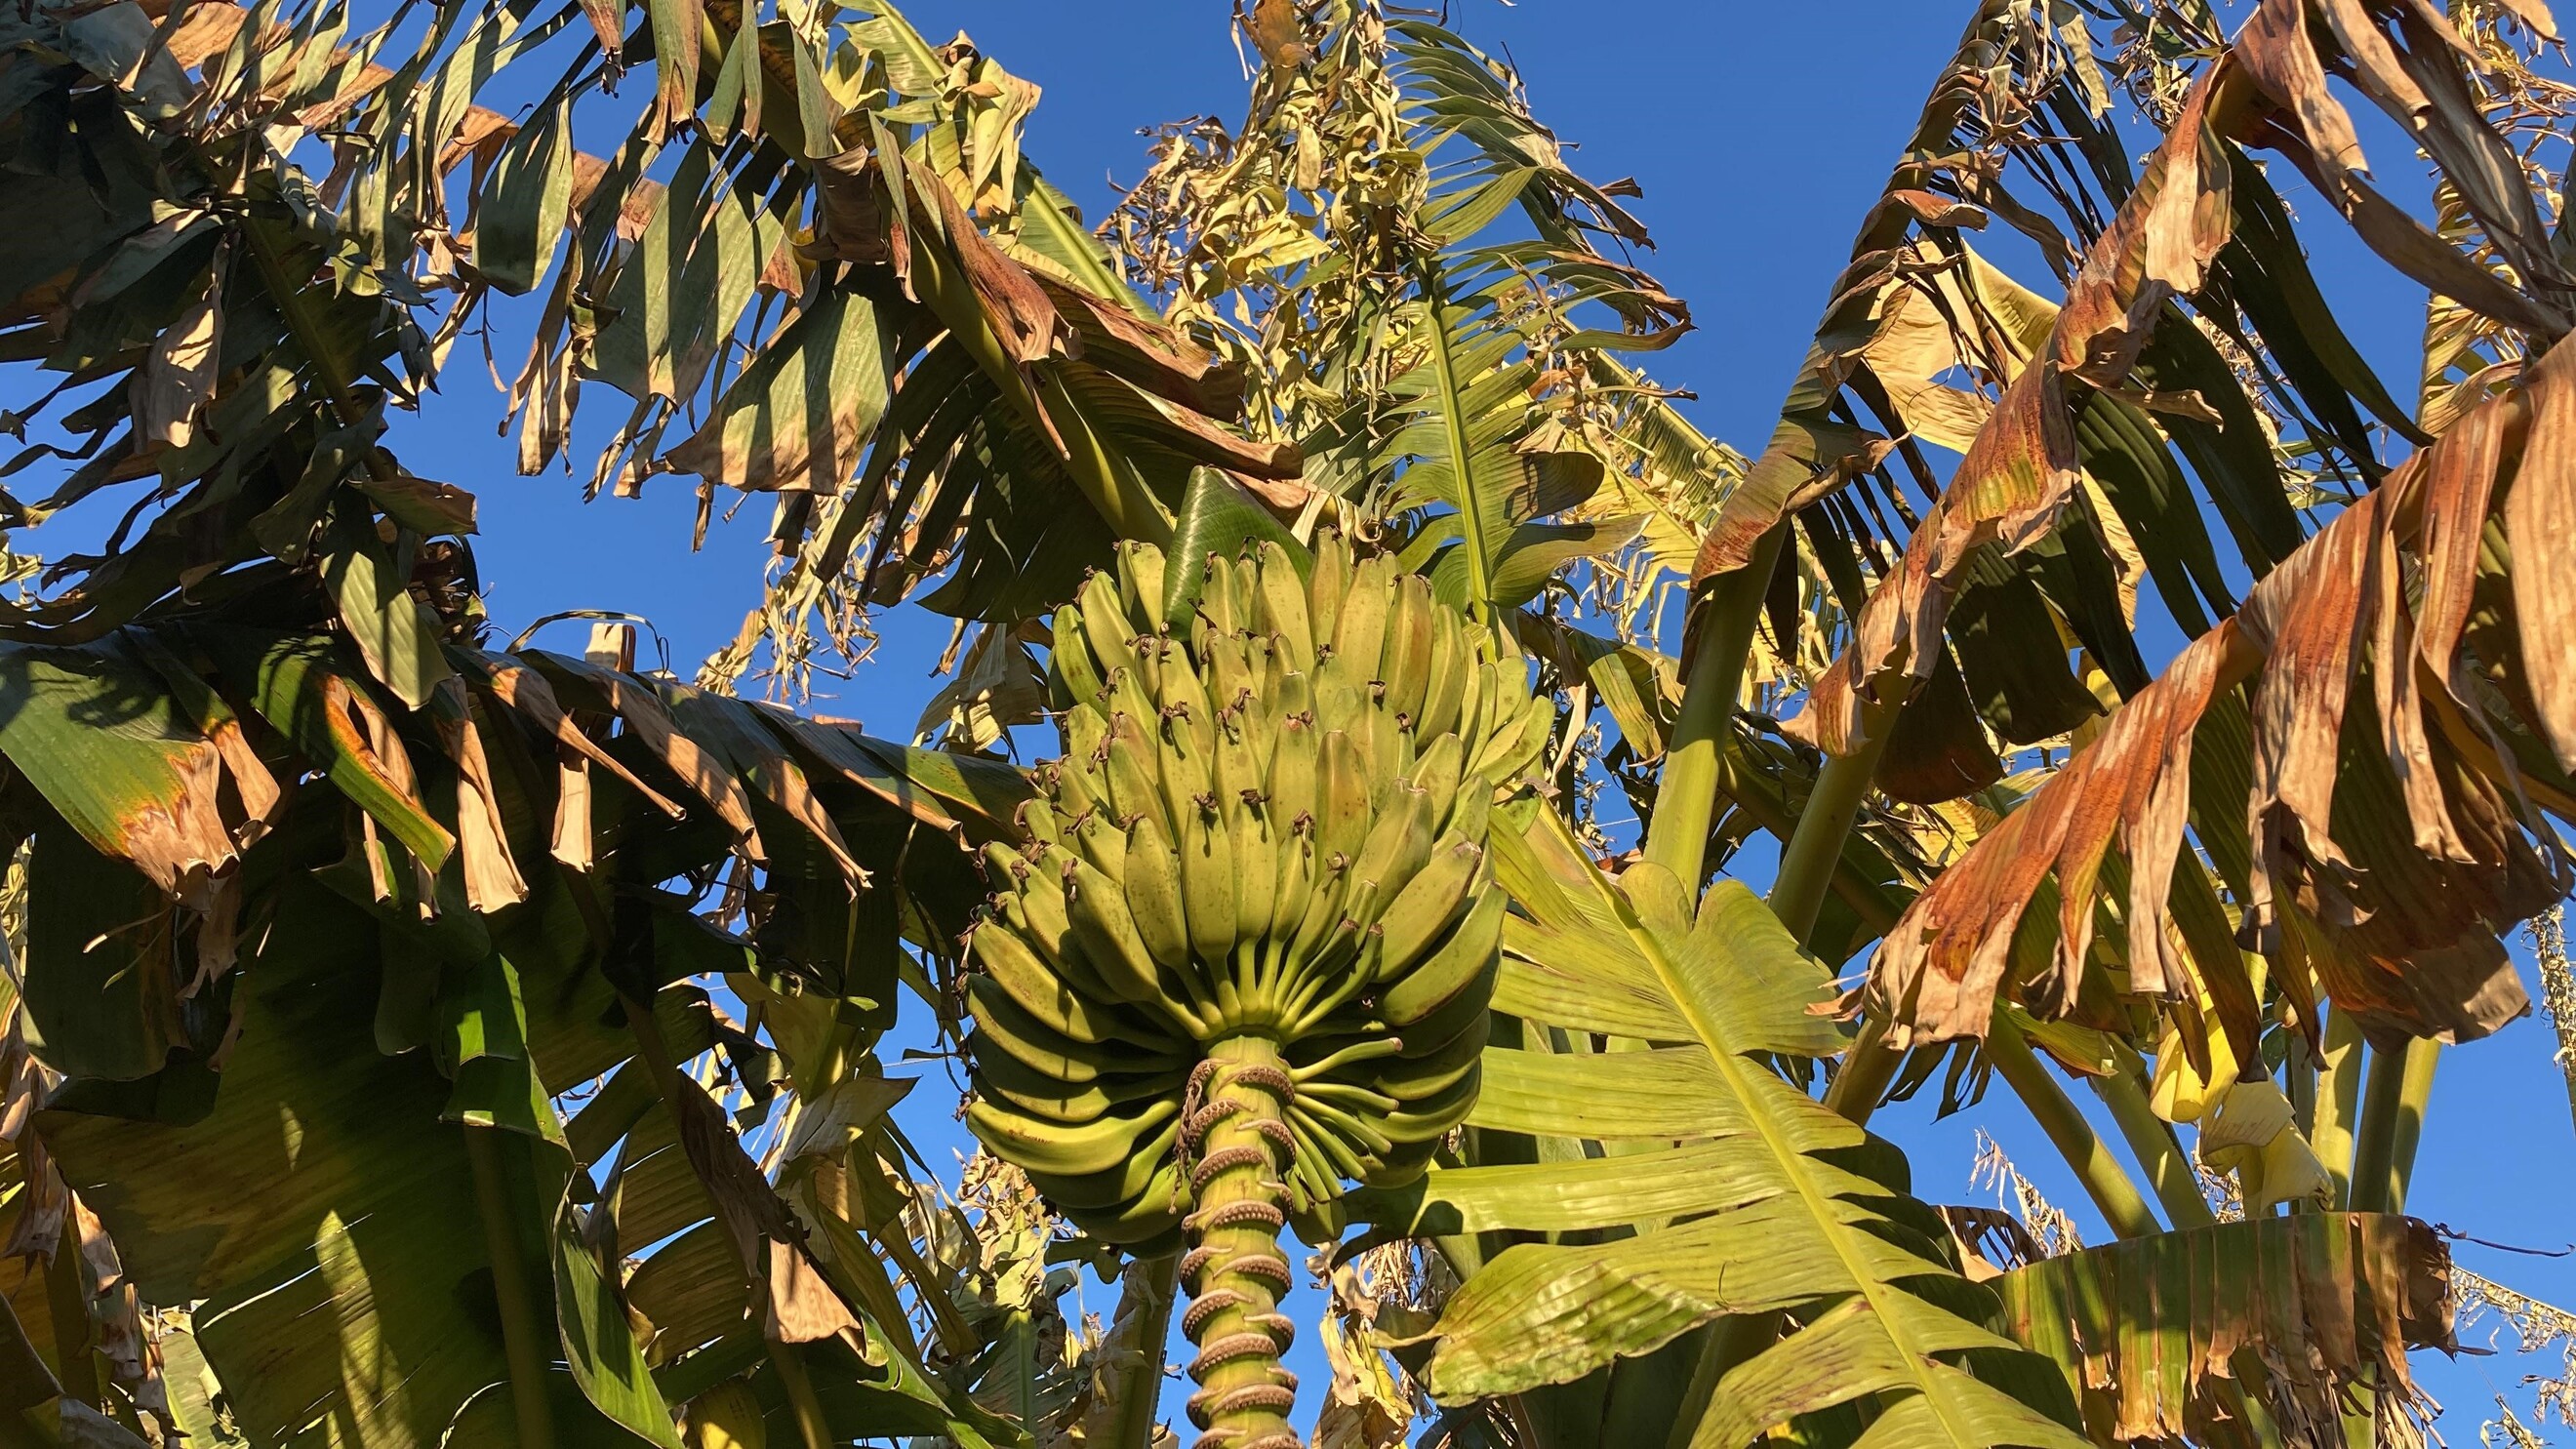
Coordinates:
(492,878)
(1962,140)
(2324,1301)
(178,378)
(2020,468)
(2395,838)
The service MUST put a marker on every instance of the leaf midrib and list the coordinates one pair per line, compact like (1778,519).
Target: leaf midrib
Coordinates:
(1453,428)
(1791,1160)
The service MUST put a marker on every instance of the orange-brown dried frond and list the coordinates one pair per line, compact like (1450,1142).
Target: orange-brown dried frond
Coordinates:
(2396,834)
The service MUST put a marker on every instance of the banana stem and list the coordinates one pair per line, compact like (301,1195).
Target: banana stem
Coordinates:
(1808,861)
(1138,1388)
(2151,1140)
(2338,1104)
(521,1346)
(2103,1178)
(2392,1123)
(1234,1269)
(1686,795)
(1867,1068)
(1858,891)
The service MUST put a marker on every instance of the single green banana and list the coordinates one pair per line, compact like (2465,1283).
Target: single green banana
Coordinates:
(1291,791)
(1407,667)
(1119,1184)
(1293,895)
(1385,751)
(1186,704)
(1336,698)
(1283,609)
(1242,806)
(1261,713)
(1359,638)
(1514,748)
(1004,1025)
(1437,771)
(1486,697)
(1154,895)
(1101,1145)
(1466,956)
(1435,899)
(1470,815)
(1097,839)
(1206,850)
(1229,667)
(1004,1075)
(1129,698)
(1342,821)
(1326,585)
(1140,580)
(1086,736)
(1255,848)
(1450,669)
(1133,772)
(1108,630)
(1076,681)
(1319,1057)
(1189,773)
(1043,993)
(1243,592)
(1222,599)
(1289,777)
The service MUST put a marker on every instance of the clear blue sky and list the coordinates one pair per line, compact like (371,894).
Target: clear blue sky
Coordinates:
(1760,134)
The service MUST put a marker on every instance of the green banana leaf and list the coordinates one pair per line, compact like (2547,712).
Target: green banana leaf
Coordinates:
(318,1209)
(1722,1193)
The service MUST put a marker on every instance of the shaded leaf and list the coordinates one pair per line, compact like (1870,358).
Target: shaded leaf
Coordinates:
(2326,1301)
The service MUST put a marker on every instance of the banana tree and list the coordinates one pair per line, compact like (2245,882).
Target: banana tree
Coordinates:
(1310,925)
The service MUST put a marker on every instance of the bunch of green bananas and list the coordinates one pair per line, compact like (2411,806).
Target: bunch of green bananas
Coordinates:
(1246,954)
(1274,827)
